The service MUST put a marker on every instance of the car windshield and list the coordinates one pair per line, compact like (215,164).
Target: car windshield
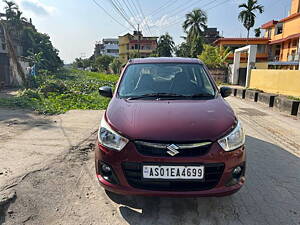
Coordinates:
(166,80)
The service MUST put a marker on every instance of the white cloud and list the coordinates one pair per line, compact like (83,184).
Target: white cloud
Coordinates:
(35,7)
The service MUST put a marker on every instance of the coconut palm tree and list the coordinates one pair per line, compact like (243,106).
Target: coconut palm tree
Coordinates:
(247,15)
(195,24)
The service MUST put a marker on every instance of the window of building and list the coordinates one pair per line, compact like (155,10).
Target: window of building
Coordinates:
(4,46)
(279,28)
(269,33)
(295,43)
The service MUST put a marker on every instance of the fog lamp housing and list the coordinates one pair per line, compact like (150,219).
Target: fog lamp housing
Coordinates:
(106,171)
(237,172)
(236,175)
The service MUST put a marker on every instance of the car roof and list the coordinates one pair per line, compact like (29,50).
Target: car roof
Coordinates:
(164,60)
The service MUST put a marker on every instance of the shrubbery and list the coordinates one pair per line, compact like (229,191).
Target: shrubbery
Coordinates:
(66,90)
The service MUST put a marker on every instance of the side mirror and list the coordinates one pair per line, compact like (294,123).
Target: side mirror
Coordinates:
(106,91)
(225,91)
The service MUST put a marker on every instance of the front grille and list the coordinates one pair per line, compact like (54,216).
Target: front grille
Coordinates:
(161,150)
(134,176)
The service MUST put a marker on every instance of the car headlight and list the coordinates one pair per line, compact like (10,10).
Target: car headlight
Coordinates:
(234,139)
(109,138)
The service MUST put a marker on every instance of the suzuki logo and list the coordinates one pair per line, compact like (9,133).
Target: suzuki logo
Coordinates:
(172,149)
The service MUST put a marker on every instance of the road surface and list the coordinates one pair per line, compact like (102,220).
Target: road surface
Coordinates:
(64,189)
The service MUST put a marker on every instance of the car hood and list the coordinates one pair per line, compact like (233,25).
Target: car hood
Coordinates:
(171,120)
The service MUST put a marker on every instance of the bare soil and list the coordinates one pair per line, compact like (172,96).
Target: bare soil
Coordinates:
(64,190)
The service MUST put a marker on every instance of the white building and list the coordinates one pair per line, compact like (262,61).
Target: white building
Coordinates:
(108,46)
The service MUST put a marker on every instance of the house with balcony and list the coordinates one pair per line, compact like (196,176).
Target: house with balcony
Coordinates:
(136,43)
(236,43)
(108,46)
(284,35)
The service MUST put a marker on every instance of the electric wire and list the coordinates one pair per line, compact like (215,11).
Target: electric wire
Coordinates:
(106,12)
(119,11)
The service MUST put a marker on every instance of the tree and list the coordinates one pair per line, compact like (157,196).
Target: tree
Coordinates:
(195,24)
(247,15)
(214,57)
(33,43)
(165,46)
(257,32)
(196,46)
(103,61)
(134,55)
(183,50)
(10,9)
(116,65)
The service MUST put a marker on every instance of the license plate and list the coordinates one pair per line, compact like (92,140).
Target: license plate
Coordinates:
(173,172)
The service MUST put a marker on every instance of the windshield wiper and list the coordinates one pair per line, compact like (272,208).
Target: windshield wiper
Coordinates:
(202,95)
(170,95)
(157,95)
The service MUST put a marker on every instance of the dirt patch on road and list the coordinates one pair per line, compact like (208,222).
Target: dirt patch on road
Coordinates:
(63,192)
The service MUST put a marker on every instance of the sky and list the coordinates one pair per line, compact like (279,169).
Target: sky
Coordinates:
(75,25)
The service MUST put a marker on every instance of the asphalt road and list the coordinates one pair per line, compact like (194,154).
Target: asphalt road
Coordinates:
(65,191)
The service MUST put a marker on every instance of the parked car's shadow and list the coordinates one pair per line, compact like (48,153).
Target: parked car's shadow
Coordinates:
(271,196)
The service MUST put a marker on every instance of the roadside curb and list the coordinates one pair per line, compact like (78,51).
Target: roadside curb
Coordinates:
(282,103)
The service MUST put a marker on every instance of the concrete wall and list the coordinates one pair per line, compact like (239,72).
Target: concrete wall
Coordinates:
(285,82)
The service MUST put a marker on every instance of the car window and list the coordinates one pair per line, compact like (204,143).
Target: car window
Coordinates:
(180,79)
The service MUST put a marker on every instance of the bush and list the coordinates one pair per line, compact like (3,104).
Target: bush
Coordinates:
(66,90)
(56,86)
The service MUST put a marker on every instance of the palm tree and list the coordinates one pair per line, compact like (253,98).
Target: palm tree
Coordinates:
(195,24)
(165,45)
(247,15)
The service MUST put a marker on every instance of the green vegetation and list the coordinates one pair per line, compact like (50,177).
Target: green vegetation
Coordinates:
(247,15)
(165,46)
(63,91)
(294,98)
(194,27)
(102,63)
(115,66)
(215,57)
(37,47)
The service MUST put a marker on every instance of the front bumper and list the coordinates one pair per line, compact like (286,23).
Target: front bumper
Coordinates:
(129,154)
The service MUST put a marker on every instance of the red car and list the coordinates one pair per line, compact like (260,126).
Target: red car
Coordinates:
(168,132)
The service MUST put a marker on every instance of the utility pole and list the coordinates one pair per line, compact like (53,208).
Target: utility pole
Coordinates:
(139,38)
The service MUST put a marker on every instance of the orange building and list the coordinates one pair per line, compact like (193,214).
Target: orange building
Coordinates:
(280,46)
(235,43)
(284,35)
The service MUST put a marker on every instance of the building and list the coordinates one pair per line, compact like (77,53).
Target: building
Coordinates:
(235,43)
(136,43)
(108,46)
(211,35)
(12,64)
(284,35)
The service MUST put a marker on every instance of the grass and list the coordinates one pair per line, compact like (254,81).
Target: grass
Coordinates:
(66,90)
(294,98)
